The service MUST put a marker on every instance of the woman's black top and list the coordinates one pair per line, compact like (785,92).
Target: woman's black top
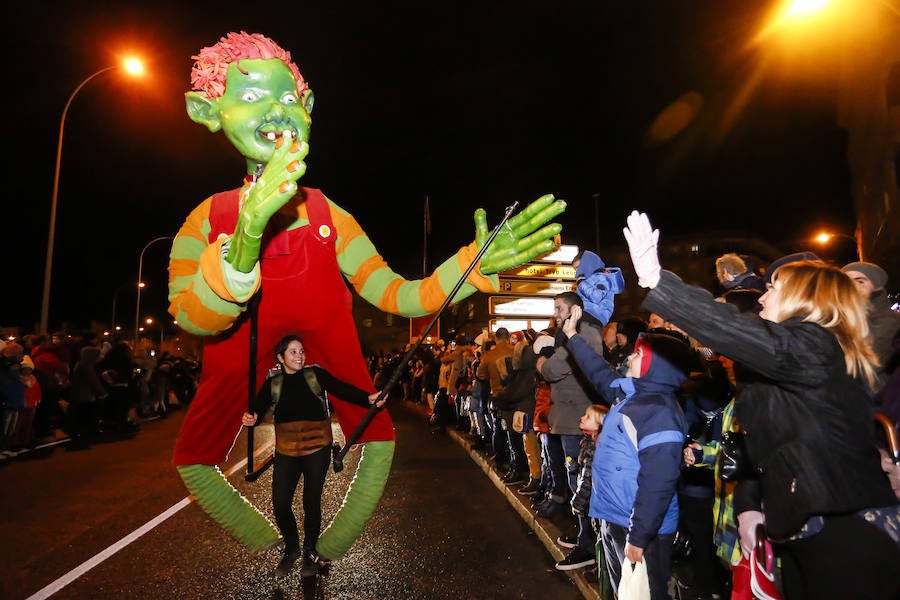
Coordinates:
(297,402)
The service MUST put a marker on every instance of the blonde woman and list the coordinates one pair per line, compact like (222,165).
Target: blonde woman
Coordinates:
(807,418)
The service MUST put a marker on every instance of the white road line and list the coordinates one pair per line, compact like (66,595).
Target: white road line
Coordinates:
(98,558)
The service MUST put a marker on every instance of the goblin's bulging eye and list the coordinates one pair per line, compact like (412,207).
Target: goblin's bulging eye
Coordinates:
(249,96)
(290,98)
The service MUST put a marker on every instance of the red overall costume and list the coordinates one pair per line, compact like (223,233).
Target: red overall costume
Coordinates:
(303,292)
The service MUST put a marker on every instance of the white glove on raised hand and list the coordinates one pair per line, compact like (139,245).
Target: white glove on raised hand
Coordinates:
(642,240)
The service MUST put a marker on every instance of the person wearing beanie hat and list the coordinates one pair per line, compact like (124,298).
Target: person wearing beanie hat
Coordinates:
(867,276)
(634,506)
(787,259)
(884,323)
(671,345)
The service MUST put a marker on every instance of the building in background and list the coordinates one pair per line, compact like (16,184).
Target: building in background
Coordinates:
(869,110)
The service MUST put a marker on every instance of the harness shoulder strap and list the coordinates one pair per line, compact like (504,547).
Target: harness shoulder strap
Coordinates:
(313,382)
(309,374)
(277,383)
(319,215)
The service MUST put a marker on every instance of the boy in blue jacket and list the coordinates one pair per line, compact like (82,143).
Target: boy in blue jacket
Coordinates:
(636,467)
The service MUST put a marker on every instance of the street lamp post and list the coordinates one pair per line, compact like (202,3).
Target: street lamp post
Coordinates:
(825,238)
(115,304)
(137,310)
(132,66)
(112,318)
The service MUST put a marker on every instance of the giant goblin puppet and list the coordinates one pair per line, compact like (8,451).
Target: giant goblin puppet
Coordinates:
(293,247)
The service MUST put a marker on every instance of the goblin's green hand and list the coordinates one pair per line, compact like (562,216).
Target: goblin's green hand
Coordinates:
(522,238)
(276,185)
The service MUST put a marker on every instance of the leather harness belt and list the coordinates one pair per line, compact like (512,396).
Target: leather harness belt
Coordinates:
(300,438)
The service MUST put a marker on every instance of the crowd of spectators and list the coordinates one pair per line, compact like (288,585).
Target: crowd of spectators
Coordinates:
(81,389)
(534,404)
(539,437)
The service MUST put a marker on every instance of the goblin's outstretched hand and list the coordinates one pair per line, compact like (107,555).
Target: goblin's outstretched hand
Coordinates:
(276,185)
(522,238)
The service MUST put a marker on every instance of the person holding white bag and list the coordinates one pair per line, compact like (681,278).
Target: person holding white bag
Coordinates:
(637,462)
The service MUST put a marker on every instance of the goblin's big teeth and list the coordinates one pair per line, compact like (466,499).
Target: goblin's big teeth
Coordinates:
(271,136)
(287,133)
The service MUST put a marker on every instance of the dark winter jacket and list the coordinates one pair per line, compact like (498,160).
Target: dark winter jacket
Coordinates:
(581,500)
(809,427)
(86,385)
(884,326)
(705,396)
(12,390)
(518,394)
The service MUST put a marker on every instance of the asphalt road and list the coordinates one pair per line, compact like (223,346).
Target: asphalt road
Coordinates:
(115,521)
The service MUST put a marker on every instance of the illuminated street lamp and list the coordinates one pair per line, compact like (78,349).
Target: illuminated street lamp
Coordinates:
(801,8)
(826,237)
(132,66)
(141,285)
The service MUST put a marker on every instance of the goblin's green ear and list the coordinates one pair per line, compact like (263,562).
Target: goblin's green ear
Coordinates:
(308,100)
(203,110)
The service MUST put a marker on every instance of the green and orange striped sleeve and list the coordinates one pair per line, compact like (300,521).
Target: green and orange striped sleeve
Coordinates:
(377,283)
(205,296)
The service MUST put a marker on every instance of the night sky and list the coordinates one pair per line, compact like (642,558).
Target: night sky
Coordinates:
(470,103)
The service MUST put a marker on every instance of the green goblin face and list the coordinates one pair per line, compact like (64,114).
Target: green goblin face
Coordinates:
(260,104)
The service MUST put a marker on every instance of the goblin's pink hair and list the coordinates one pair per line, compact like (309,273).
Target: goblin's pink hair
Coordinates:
(211,66)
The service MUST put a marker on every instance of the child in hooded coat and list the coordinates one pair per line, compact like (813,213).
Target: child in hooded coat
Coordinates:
(636,467)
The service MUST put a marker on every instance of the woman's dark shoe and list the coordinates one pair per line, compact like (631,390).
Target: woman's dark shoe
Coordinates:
(308,567)
(287,562)
(323,564)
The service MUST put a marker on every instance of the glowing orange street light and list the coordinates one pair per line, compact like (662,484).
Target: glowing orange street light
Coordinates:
(826,237)
(132,66)
(799,8)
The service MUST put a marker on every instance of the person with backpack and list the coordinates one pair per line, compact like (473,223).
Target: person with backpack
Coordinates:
(297,396)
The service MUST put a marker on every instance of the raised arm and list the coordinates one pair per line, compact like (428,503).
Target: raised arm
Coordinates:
(522,238)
